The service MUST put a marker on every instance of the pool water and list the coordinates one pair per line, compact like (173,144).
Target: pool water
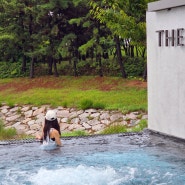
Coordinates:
(147,159)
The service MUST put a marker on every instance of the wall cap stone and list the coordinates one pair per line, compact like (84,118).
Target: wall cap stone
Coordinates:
(164,4)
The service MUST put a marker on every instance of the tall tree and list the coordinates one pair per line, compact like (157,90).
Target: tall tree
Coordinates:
(93,35)
(126,21)
(49,30)
(8,39)
(107,13)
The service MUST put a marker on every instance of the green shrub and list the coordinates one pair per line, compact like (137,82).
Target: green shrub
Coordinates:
(11,104)
(98,105)
(86,104)
(114,129)
(118,128)
(64,104)
(8,133)
(142,125)
(1,126)
(134,66)
(11,70)
(74,133)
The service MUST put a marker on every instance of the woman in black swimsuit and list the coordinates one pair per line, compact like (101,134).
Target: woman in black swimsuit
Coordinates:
(51,128)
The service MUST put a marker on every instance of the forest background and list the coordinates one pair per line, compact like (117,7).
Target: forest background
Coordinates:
(90,39)
(73,38)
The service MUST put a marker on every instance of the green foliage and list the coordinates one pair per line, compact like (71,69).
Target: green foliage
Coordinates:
(64,104)
(122,17)
(1,125)
(99,105)
(85,68)
(8,133)
(86,104)
(6,37)
(66,46)
(75,21)
(114,129)
(142,125)
(75,133)
(11,70)
(134,66)
(118,128)
(11,104)
(46,30)
(89,44)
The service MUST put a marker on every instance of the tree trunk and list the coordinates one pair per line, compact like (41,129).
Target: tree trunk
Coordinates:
(32,59)
(91,53)
(74,66)
(145,73)
(98,54)
(55,68)
(50,65)
(143,52)
(137,53)
(100,64)
(132,51)
(32,67)
(119,55)
(23,68)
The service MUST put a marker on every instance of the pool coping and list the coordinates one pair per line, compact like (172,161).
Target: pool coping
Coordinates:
(146,131)
(32,140)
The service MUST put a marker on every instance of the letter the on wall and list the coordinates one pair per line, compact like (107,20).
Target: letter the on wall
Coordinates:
(160,32)
(180,37)
(168,37)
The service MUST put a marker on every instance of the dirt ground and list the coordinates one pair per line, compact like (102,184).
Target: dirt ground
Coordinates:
(101,83)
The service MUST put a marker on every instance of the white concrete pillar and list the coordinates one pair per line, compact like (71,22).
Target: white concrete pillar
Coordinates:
(166,67)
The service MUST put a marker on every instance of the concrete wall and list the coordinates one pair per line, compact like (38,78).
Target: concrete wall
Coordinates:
(166,71)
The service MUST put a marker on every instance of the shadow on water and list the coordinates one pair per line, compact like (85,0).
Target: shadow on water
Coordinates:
(143,158)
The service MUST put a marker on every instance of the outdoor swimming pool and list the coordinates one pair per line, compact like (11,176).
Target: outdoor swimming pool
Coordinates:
(147,159)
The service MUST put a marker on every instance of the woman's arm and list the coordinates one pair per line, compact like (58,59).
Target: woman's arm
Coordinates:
(39,137)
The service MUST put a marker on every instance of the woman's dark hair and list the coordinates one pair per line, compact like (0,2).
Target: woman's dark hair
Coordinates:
(50,124)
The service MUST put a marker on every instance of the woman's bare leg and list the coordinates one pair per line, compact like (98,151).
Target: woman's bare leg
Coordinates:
(54,134)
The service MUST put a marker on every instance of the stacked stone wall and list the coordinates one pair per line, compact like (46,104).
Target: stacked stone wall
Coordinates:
(27,119)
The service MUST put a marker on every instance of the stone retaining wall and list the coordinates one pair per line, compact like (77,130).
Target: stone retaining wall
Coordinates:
(27,119)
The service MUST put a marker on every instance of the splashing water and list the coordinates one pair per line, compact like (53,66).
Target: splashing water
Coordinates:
(77,175)
(101,160)
(48,146)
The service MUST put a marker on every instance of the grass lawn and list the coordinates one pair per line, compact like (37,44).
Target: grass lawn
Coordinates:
(107,92)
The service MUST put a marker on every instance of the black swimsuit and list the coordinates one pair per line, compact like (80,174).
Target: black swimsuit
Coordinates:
(53,139)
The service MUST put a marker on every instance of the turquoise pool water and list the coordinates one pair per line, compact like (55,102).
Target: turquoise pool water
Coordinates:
(146,159)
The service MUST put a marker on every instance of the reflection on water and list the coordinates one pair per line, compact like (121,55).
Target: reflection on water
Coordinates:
(102,160)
